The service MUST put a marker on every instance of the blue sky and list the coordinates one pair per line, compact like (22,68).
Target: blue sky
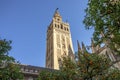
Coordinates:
(25,22)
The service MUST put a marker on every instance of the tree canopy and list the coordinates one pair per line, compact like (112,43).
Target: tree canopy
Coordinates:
(9,68)
(85,67)
(103,16)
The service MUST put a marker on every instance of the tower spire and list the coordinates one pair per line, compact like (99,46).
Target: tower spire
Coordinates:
(57,14)
(92,43)
(79,48)
(83,48)
(93,46)
(60,43)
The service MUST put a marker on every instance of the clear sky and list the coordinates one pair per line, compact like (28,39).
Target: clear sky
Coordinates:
(25,22)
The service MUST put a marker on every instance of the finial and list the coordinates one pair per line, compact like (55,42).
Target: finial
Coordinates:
(57,9)
(56,13)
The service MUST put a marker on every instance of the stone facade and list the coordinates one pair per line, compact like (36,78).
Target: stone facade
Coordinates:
(105,50)
(59,42)
(32,72)
(115,58)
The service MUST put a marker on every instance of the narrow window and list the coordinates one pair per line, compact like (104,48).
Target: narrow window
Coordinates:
(61,26)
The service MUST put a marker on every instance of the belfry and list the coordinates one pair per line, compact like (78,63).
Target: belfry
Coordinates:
(59,42)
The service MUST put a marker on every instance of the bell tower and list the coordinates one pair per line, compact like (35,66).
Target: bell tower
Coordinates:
(59,42)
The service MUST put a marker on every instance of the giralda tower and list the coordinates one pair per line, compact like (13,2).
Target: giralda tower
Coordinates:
(59,42)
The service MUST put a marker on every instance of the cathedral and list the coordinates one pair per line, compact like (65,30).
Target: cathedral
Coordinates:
(105,50)
(59,42)
(58,45)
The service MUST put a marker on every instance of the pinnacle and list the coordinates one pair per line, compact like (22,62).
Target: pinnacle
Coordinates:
(57,13)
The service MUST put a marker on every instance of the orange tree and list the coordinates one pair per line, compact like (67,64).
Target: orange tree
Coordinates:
(67,72)
(9,68)
(85,67)
(94,66)
(103,16)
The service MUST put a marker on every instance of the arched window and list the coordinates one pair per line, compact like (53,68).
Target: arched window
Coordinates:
(65,28)
(58,19)
(55,25)
(61,26)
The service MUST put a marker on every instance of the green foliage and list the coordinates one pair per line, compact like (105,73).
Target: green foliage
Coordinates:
(103,16)
(92,66)
(113,75)
(86,67)
(9,68)
(67,72)
(54,75)
(69,69)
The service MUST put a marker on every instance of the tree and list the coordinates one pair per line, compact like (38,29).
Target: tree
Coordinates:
(9,68)
(88,67)
(85,67)
(103,16)
(67,72)
(94,66)
(52,75)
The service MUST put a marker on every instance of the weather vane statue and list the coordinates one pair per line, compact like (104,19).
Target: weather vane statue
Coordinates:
(57,9)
